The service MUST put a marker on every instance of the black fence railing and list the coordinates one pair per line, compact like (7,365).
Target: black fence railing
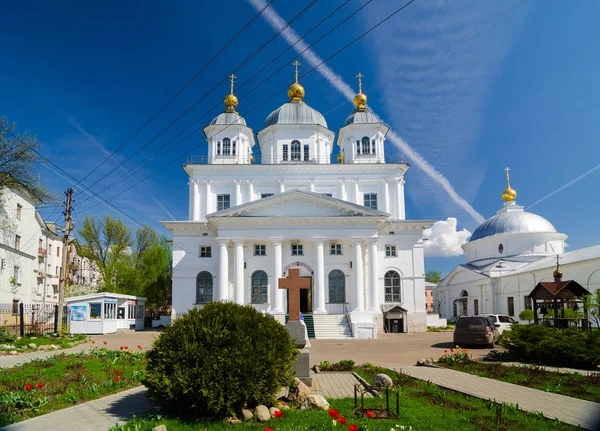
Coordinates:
(30,319)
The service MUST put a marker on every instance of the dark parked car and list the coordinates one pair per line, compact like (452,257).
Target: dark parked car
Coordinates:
(475,330)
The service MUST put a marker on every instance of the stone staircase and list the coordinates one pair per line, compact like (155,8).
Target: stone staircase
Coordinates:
(332,326)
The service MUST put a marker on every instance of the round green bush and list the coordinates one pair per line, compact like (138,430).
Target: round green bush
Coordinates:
(218,360)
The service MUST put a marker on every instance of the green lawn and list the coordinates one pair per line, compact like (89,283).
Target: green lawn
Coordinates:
(423,406)
(22,345)
(572,385)
(60,381)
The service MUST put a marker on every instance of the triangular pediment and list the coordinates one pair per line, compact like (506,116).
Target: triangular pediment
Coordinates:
(299,203)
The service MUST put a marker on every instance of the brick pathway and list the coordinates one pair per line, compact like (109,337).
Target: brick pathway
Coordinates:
(566,409)
(335,385)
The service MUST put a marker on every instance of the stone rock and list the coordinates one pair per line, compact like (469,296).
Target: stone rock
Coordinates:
(262,413)
(42,348)
(283,393)
(382,381)
(300,393)
(232,420)
(246,415)
(272,410)
(314,402)
(32,345)
(160,428)
(13,353)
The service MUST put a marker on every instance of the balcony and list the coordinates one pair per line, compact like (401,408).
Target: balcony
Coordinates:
(330,159)
(41,273)
(42,252)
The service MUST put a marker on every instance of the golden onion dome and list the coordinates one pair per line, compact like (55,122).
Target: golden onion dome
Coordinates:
(231,102)
(557,273)
(360,100)
(296,92)
(509,194)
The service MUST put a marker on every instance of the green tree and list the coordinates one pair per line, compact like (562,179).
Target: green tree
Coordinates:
(433,276)
(526,315)
(591,303)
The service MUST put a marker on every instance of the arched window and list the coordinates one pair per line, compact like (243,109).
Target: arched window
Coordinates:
(260,287)
(226,146)
(366,145)
(392,287)
(337,287)
(204,287)
(464,293)
(295,150)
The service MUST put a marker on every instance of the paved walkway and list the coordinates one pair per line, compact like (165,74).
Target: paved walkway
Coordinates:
(566,409)
(97,415)
(335,385)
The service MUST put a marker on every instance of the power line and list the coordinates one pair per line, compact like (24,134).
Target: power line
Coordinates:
(181,90)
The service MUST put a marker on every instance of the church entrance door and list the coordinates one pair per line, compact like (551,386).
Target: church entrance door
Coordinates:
(306,299)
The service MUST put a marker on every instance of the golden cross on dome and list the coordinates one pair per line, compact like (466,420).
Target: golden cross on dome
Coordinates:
(232,76)
(296,63)
(507,176)
(359,76)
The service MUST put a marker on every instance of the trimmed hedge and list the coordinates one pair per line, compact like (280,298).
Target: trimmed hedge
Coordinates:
(218,360)
(544,345)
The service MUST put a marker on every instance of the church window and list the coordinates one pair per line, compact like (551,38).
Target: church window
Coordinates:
(222,202)
(233,148)
(366,145)
(358,147)
(500,248)
(371,200)
(260,287)
(260,250)
(373,146)
(205,251)
(476,306)
(265,195)
(392,286)
(19,209)
(218,148)
(226,147)
(285,153)
(297,250)
(511,306)
(337,287)
(336,249)
(295,150)
(204,287)
(306,153)
(329,195)
(390,250)
(527,303)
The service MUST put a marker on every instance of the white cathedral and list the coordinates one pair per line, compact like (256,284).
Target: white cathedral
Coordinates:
(340,220)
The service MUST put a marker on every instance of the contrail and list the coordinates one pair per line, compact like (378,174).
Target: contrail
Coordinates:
(585,174)
(277,22)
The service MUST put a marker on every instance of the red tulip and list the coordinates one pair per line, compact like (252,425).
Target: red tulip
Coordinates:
(126,348)
(143,361)
(28,387)
(105,342)
(85,369)
(452,350)
(445,351)
(278,414)
(119,373)
(93,342)
(342,421)
(268,429)
(352,427)
(370,414)
(116,379)
(40,385)
(140,346)
(332,413)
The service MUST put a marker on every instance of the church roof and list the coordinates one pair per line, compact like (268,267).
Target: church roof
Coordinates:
(228,118)
(295,112)
(362,117)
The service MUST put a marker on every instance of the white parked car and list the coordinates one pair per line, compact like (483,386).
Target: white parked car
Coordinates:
(502,321)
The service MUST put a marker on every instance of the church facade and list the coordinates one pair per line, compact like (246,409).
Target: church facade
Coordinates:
(340,220)
(506,257)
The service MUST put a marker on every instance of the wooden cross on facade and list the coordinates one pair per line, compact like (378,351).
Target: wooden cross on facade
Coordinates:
(293,284)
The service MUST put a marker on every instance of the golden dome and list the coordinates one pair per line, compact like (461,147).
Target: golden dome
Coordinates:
(509,194)
(557,273)
(296,92)
(231,102)
(360,100)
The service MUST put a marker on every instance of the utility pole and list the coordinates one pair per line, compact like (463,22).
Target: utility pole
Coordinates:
(64,281)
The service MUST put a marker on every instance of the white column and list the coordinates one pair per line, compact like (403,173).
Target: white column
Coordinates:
(399,200)
(238,275)
(402,206)
(343,195)
(223,269)
(386,196)
(320,277)
(281,186)
(207,199)
(356,201)
(373,275)
(359,291)
(250,191)
(311,185)
(238,193)
(200,206)
(196,201)
(277,293)
(192,202)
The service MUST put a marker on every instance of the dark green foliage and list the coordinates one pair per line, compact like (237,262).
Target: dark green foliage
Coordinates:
(5,336)
(555,347)
(219,359)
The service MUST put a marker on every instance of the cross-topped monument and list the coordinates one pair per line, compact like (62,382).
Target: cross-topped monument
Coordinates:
(293,284)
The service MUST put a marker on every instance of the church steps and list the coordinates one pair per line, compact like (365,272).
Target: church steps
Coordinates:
(331,326)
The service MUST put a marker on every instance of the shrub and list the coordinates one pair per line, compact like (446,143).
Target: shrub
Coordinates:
(219,359)
(545,345)
(5,336)
(526,315)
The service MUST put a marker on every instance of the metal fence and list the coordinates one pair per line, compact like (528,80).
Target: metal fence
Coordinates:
(30,319)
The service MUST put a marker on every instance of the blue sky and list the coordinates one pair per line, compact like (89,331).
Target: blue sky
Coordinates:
(472,86)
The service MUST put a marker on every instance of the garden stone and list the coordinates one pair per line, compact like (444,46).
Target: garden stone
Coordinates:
(13,352)
(283,393)
(382,381)
(262,413)
(32,345)
(272,410)
(42,348)
(300,393)
(315,402)
(160,428)
(232,420)
(246,415)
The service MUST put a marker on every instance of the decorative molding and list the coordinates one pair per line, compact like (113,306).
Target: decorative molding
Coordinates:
(296,264)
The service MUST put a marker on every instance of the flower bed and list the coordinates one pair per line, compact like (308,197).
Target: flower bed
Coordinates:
(22,345)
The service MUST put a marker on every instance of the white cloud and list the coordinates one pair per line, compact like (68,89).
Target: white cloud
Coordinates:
(442,239)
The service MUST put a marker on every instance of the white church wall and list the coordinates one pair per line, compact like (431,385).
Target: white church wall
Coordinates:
(273,139)
(512,245)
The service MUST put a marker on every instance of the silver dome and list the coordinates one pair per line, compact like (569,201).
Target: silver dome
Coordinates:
(362,117)
(510,222)
(295,113)
(227,118)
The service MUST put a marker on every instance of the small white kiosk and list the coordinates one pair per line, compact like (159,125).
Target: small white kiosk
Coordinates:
(105,313)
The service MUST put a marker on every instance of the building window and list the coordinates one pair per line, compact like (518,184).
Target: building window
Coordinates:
(110,311)
(265,195)
(49,248)
(218,148)
(57,270)
(476,306)
(260,287)
(17,242)
(527,303)
(366,145)
(16,273)
(390,251)
(511,306)
(336,249)
(223,202)
(285,153)
(337,287)
(373,146)
(295,150)
(371,200)
(358,147)
(57,251)
(233,148)
(260,250)
(297,250)
(95,311)
(19,208)
(226,146)
(205,251)
(204,287)
(392,287)
(306,153)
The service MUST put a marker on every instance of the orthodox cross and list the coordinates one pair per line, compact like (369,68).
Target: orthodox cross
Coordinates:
(293,284)
(359,76)
(232,76)
(296,63)
(507,176)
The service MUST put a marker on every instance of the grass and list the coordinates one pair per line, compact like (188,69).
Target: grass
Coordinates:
(64,342)
(63,380)
(448,328)
(423,406)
